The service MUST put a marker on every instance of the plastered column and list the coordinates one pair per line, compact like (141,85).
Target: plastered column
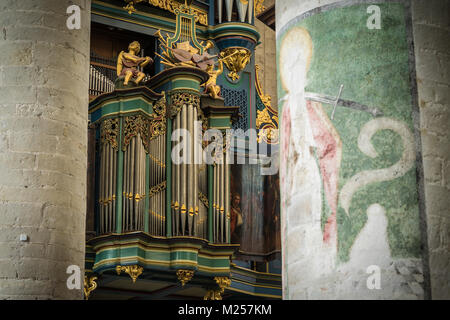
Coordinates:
(44,71)
(406,237)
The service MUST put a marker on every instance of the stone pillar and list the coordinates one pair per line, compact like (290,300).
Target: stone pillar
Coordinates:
(431,22)
(44,71)
(364,188)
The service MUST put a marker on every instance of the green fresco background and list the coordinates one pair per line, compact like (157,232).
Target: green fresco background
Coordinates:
(374,69)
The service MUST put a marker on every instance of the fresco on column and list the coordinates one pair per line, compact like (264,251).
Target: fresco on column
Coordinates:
(348,158)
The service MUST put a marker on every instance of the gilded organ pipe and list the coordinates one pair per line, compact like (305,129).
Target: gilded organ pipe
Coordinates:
(108,153)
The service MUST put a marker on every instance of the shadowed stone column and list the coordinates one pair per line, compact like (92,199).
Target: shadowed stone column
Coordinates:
(431,22)
(44,71)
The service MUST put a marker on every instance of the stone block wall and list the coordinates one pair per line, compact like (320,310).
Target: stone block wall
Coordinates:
(431,26)
(44,71)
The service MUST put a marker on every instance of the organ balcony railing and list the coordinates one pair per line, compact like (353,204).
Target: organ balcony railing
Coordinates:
(102,74)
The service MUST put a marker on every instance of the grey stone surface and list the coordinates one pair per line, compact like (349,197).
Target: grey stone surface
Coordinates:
(44,70)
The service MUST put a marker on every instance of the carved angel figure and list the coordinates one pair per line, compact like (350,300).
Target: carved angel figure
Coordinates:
(127,63)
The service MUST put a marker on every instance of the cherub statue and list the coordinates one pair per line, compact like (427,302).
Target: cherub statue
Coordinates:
(211,87)
(127,63)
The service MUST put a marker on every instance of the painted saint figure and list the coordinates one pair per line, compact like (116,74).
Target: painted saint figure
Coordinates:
(128,62)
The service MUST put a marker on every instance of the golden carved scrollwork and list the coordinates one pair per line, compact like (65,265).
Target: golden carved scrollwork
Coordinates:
(157,189)
(262,117)
(109,132)
(204,199)
(265,98)
(266,119)
(259,7)
(169,5)
(133,271)
(235,58)
(213,295)
(185,276)
(158,125)
(134,125)
(179,99)
(216,294)
(268,134)
(90,285)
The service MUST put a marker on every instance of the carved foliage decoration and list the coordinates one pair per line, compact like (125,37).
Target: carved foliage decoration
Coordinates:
(169,5)
(266,116)
(158,125)
(235,58)
(179,99)
(90,285)
(259,7)
(185,276)
(216,294)
(203,198)
(134,125)
(157,189)
(109,132)
(133,271)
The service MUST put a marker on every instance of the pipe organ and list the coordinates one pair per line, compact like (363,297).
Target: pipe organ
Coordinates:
(157,172)
(185,203)
(134,147)
(244,9)
(109,132)
(139,186)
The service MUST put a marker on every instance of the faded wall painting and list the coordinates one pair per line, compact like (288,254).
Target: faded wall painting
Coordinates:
(348,179)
